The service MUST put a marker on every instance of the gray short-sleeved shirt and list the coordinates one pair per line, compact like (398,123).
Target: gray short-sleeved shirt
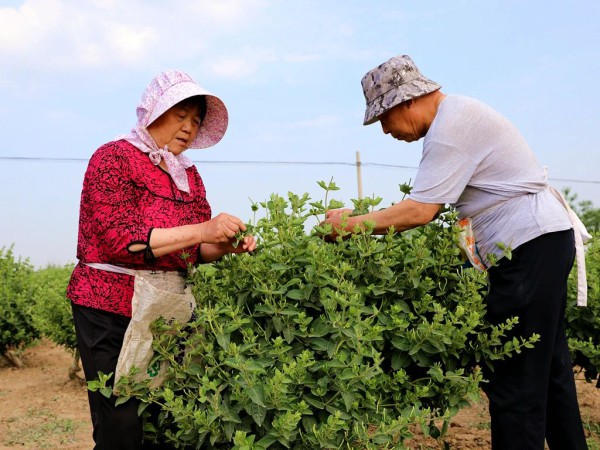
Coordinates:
(477,161)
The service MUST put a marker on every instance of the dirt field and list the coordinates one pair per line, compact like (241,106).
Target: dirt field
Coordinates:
(40,408)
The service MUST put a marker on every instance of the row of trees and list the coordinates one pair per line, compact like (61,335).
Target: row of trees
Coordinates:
(33,305)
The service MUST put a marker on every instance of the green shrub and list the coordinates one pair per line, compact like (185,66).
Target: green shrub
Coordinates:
(583,324)
(308,344)
(53,317)
(17,329)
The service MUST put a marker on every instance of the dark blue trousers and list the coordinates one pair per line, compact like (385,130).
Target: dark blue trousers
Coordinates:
(532,395)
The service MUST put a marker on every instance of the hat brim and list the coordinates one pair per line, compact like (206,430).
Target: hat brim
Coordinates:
(413,89)
(215,122)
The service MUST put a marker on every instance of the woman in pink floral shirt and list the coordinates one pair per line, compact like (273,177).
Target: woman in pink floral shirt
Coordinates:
(143,207)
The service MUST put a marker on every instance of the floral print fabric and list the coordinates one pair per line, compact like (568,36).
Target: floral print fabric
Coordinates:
(125,196)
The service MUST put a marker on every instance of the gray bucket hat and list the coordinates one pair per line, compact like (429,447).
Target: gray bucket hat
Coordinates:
(391,83)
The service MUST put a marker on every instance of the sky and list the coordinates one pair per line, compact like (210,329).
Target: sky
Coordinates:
(72,73)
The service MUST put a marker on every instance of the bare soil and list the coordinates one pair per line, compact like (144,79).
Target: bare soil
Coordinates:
(41,408)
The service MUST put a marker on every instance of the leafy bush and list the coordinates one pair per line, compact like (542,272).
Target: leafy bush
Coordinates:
(17,329)
(53,317)
(308,344)
(583,324)
(585,209)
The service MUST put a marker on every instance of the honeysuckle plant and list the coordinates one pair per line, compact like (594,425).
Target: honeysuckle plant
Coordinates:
(310,344)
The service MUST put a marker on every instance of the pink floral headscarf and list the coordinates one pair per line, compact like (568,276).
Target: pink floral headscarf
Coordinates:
(164,91)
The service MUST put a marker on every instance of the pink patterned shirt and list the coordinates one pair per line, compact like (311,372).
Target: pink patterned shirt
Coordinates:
(124,197)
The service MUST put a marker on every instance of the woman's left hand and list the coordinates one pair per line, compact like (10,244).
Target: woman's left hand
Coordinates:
(212,252)
(246,245)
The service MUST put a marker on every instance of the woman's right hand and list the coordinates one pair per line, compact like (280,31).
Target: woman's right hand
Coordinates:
(220,229)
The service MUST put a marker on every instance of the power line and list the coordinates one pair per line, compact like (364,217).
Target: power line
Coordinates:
(249,162)
(314,163)
(42,159)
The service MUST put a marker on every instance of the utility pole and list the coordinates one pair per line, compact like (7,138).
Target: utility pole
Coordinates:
(358,175)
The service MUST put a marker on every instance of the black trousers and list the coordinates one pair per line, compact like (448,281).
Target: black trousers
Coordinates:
(99,338)
(532,395)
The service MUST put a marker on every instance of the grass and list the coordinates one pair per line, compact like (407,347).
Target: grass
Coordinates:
(593,429)
(45,430)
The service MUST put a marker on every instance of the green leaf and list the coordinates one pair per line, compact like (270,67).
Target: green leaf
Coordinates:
(321,344)
(319,328)
(265,442)
(349,398)
(106,391)
(223,339)
(257,412)
(121,400)
(313,401)
(295,294)
(347,374)
(256,394)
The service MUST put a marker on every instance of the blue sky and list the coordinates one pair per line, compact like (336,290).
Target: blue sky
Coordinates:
(72,73)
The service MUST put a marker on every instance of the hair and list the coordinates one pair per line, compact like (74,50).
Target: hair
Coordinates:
(198,101)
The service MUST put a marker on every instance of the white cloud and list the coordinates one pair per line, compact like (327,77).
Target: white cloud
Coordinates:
(63,35)
(67,34)
(229,12)
(130,44)
(243,64)
(230,38)
(234,67)
(104,4)
(91,55)
(25,28)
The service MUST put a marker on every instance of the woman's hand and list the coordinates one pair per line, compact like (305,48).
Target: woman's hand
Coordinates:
(338,218)
(246,245)
(212,252)
(218,237)
(221,229)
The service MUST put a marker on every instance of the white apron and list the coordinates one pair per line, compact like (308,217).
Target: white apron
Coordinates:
(156,294)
